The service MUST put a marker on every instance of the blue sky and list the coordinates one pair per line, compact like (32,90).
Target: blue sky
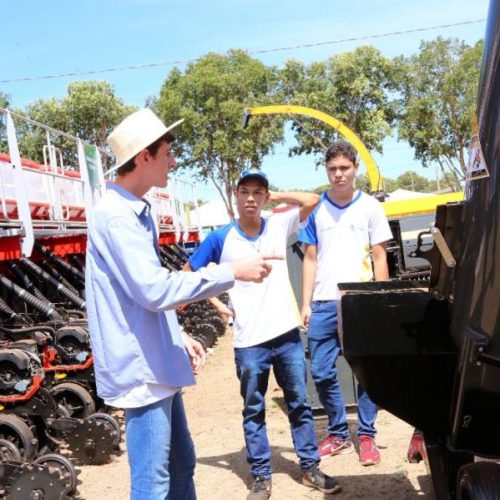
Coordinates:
(57,37)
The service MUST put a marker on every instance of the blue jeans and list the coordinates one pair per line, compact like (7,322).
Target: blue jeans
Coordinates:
(286,355)
(160,451)
(324,349)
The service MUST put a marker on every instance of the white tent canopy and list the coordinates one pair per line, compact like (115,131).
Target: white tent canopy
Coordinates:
(211,214)
(403,194)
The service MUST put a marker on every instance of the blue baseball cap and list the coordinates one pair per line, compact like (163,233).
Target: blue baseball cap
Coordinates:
(253,173)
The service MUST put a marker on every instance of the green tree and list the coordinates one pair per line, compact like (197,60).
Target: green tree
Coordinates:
(449,181)
(94,110)
(211,95)
(321,189)
(354,87)
(89,111)
(363,183)
(439,102)
(411,181)
(4,103)
(190,205)
(32,138)
(4,100)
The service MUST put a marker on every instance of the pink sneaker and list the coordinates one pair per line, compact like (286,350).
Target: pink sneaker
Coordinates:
(368,451)
(416,449)
(334,445)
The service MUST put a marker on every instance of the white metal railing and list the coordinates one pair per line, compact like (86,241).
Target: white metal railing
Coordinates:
(23,210)
(43,197)
(5,213)
(54,193)
(51,197)
(170,208)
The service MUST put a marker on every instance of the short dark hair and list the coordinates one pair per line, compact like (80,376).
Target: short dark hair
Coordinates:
(341,148)
(129,165)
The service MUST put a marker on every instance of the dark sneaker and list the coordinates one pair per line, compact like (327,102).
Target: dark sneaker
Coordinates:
(320,481)
(335,445)
(260,489)
(368,451)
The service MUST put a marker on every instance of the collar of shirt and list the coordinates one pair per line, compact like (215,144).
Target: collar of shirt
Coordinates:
(140,206)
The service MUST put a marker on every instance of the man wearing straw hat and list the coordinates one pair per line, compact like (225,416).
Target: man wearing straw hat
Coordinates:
(141,357)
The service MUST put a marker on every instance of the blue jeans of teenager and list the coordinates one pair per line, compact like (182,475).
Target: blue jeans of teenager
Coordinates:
(324,349)
(160,451)
(286,355)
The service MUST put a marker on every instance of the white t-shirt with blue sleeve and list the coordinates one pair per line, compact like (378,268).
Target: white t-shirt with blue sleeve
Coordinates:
(264,310)
(343,236)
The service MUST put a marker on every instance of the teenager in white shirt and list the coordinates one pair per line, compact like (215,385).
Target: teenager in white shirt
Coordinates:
(266,321)
(344,228)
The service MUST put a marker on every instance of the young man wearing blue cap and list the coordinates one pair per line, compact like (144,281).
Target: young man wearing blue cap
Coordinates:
(266,320)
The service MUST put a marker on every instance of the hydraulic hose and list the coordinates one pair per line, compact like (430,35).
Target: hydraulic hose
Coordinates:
(46,308)
(26,282)
(64,291)
(48,268)
(182,253)
(7,311)
(60,262)
(29,329)
(175,255)
(77,263)
(173,261)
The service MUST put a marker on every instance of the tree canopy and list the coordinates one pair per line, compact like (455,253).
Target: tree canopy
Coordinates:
(354,87)
(94,110)
(89,111)
(4,103)
(439,102)
(211,95)
(4,100)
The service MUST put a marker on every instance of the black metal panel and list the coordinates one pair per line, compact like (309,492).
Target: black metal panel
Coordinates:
(476,314)
(400,349)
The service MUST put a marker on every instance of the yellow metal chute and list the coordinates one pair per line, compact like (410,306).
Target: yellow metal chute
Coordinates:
(372,171)
(401,208)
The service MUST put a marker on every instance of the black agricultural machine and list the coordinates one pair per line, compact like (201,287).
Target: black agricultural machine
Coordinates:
(430,354)
(199,320)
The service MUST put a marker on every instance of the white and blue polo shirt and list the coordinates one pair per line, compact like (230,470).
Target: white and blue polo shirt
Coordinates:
(264,310)
(343,236)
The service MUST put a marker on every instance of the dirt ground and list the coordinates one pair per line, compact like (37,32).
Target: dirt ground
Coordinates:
(214,412)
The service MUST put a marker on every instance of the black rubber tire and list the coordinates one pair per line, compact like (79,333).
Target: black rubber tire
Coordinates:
(73,399)
(479,481)
(218,323)
(9,452)
(110,423)
(15,430)
(206,332)
(64,468)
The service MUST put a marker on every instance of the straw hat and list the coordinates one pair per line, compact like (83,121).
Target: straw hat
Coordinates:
(136,133)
